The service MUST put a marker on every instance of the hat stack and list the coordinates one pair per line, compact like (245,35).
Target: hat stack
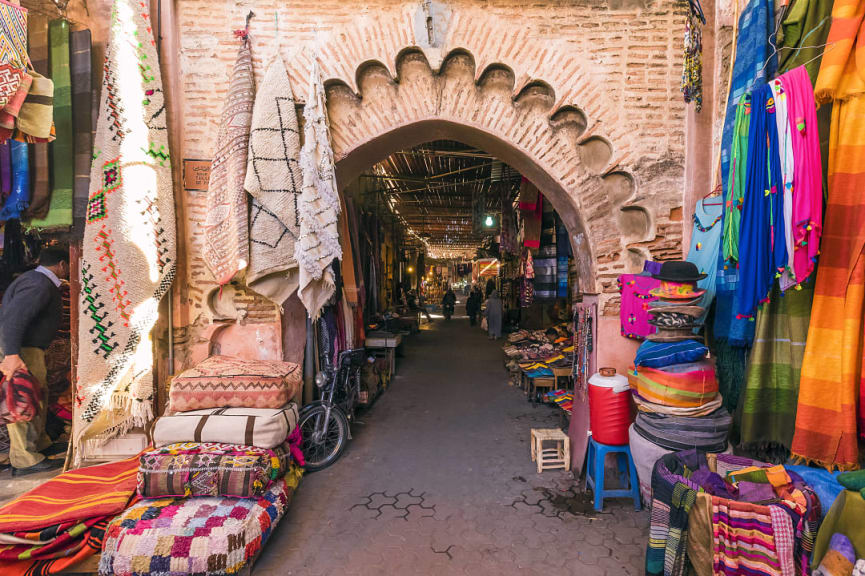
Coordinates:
(673,382)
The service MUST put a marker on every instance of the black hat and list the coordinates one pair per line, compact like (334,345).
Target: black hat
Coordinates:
(679,271)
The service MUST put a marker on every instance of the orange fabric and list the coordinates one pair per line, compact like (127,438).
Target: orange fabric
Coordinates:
(826,419)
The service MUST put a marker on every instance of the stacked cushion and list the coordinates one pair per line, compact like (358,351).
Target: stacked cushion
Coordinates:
(689,385)
(707,433)
(229,381)
(262,427)
(660,354)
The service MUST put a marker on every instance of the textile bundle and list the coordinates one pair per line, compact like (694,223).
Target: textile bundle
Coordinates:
(210,469)
(204,535)
(226,233)
(60,523)
(707,433)
(260,427)
(274,180)
(681,385)
(826,419)
(128,254)
(319,206)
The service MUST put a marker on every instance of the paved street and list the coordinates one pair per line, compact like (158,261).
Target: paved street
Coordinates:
(439,480)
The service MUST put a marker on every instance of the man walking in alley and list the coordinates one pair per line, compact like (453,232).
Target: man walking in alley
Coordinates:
(29,317)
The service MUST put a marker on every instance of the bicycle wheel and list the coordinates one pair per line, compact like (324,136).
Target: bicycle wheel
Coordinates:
(320,451)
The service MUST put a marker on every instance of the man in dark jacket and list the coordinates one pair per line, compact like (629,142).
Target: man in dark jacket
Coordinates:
(29,318)
(473,304)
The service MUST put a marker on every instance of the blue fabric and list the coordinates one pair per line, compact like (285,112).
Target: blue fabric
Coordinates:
(738,332)
(750,67)
(663,354)
(824,483)
(705,246)
(762,249)
(19,199)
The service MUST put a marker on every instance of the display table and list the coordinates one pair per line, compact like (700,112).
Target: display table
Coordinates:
(385,343)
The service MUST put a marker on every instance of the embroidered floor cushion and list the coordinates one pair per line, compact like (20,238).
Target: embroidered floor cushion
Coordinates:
(205,535)
(222,381)
(260,427)
(210,469)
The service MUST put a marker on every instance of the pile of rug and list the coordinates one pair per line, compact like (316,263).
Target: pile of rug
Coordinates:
(59,524)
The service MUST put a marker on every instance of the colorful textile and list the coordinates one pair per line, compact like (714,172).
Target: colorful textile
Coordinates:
(744,541)
(318,243)
(802,36)
(707,433)
(13,34)
(768,409)
(36,117)
(680,385)
(753,63)
(205,535)
(62,149)
(661,354)
(19,170)
(705,245)
(645,453)
(673,496)
(845,517)
(210,469)
(80,63)
(128,254)
(227,381)
(226,233)
(274,180)
(839,558)
(96,491)
(634,312)
(707,408)
(692,62)
(261,427)
(531,210)
(85,545)
(10,111)
(762,248)
(807,211)
(826,419)
(787,165)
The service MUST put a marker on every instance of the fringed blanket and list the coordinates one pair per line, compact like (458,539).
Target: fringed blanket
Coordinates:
(768,409)
(744,539)
(128,254)
(826,419)
(274,181)
(319,205)
(672,498)
(226,233)
(203,535)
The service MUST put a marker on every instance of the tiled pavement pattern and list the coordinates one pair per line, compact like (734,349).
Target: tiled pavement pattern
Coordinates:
(438,480)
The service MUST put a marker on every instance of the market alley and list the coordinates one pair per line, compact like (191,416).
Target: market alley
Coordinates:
(440,481)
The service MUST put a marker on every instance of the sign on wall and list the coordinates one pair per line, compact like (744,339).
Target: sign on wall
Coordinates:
(196,174)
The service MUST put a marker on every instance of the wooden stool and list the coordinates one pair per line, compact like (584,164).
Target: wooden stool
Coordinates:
(542,382)
(553,458)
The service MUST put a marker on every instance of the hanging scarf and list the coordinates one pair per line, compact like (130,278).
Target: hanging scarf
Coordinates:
(803,34)
(768,410)
(318,244)
(128,253)
(19,179)
(273,180)
(826,419)
(692,62)
(762,253)
(807,209)
(785,151)
(82,104)
(226,234)
(59,213)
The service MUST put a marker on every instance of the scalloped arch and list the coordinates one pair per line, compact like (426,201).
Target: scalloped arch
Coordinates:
(548,143)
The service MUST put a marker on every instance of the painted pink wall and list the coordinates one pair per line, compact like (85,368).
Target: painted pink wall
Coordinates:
(614,350)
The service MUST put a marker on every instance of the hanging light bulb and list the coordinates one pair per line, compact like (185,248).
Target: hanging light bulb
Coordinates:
(489,221)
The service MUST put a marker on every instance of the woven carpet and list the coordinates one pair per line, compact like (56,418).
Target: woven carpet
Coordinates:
(826,419)
(274,180)
(59,213)
(128,254)
(226,233)
(318,244)
(13,34)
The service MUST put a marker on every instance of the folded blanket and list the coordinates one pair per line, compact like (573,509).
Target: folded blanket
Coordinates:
(234,382)
(707,433)
(261,427)
(207,536)
(210,469)
(680,385)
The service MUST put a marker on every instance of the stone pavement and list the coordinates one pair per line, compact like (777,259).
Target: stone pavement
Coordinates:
(439,480)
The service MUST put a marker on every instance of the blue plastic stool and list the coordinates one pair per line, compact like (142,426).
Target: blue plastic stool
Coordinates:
(595,470)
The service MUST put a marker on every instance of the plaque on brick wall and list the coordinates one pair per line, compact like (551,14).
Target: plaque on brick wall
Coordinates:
(196,174)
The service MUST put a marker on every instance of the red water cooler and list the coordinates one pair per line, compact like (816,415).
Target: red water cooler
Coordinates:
(610,408)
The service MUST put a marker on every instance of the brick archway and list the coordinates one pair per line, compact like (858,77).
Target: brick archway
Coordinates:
(551,145)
